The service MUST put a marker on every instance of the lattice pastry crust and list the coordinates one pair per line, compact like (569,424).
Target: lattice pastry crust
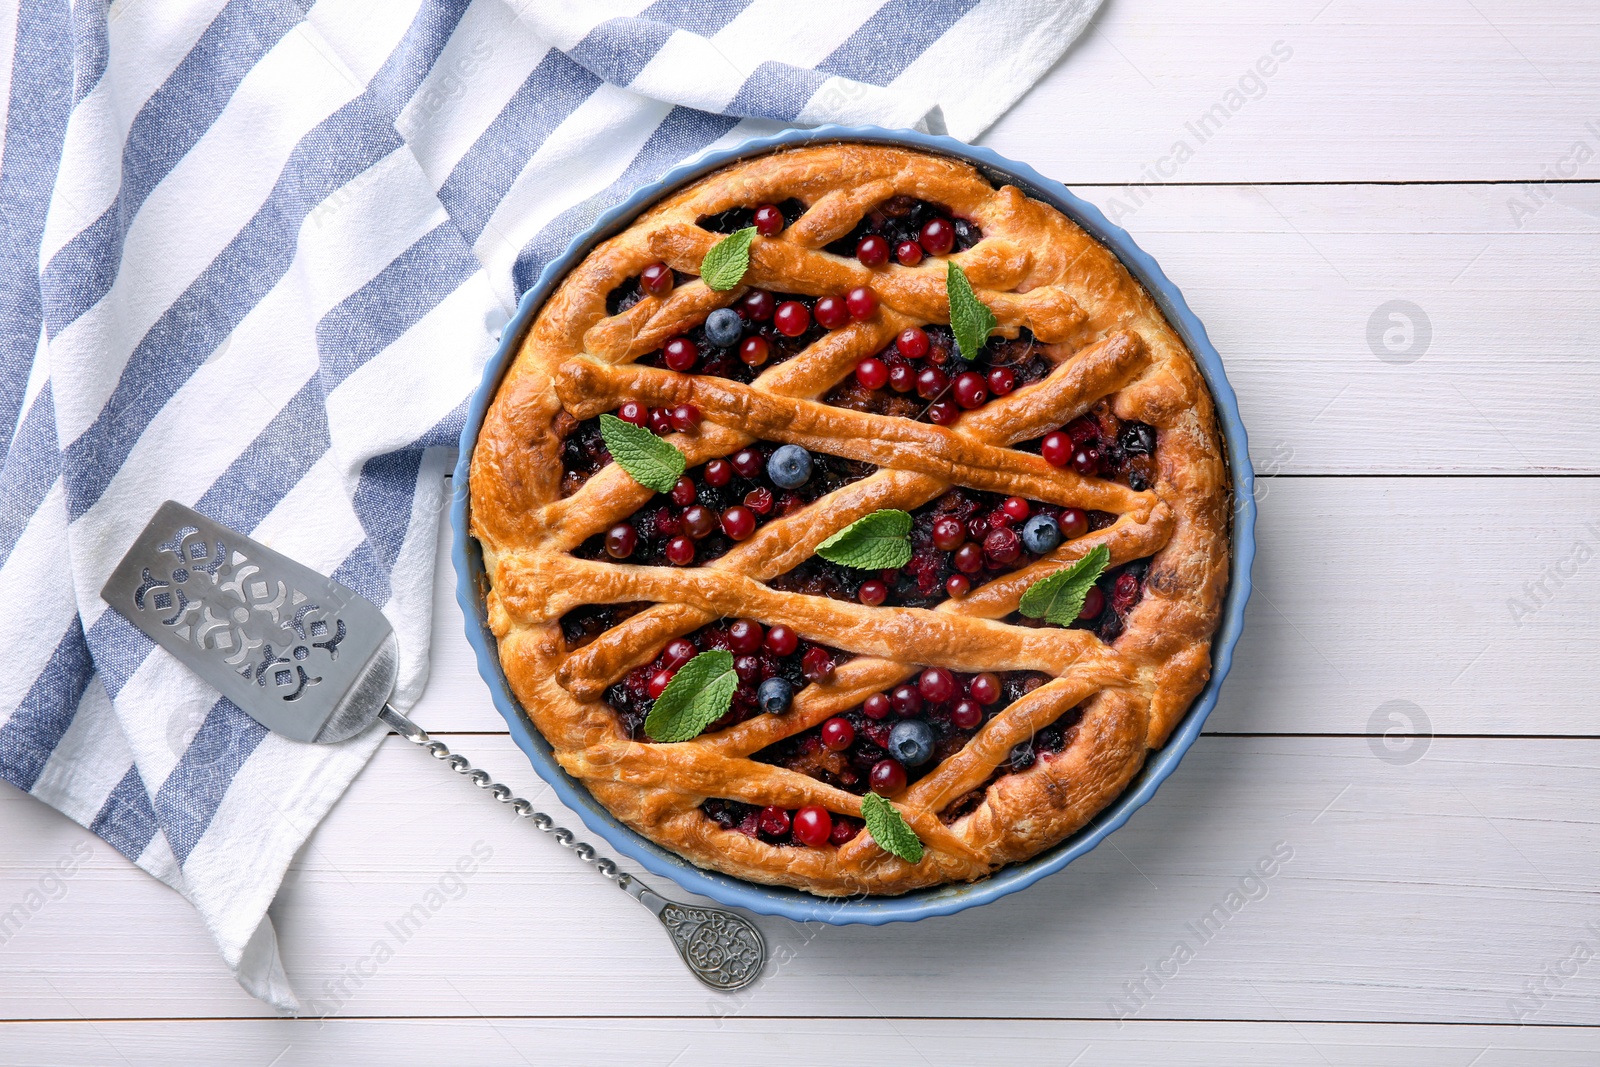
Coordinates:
(1035,269)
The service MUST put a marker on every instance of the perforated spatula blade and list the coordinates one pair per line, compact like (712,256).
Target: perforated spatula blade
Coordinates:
(314,661)
(299,653)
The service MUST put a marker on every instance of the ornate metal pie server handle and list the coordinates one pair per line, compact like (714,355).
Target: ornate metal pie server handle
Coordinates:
(723,949)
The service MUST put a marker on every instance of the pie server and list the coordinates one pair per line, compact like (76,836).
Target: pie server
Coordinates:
(315,662)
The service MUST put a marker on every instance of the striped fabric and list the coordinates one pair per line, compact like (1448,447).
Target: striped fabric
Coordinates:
(256,253)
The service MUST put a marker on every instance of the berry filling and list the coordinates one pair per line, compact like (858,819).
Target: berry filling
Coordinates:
(958,541)
(772,665)
(757,331)
(922,375)
(907,229)
(713,506)
(1101,445)
(761,216)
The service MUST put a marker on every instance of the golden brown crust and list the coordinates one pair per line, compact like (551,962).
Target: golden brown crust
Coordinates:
(1036,270)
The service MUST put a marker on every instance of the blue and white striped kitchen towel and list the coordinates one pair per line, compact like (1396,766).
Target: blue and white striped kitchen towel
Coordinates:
(255,255)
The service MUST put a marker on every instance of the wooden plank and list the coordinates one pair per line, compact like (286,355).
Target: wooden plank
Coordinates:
(794,1040)
(1392,329)
(1317,90)
(1470,599)
(1437,890)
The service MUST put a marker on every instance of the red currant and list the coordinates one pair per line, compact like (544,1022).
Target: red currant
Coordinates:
(738,522)
(658,683)
(831,313)
(660,421)
(678,652)
(791,318)
(888,777)
(748,668)
(931,382)
(757,305)
(907,702)
(838,734)
(872,593)
(948,533)
(1056,448)
(680,551)
(970,390)
(719,472)
(745,636)
(902,377)
(685,417)
(1093,604)
(1086,461)
(984,688)
(872,251)
(656,279)
(759,500)
(968,559)
(1125,593)
(747,462)
(1002,545)
(683,493)
(957,585)
(769,220)
(699,522)
(782,641)
(909,253)
(1083,430)
(943,413)
(1002,380)
(1016,509)
(754,351)
(634,412)
(861,302)
(681,353)
(813,826)
(844,830)
(1074,522)
(966,715)
(938,237)
(877,706)
(621,540)
(936,685)
(816,664)
(872,373)
(773,821)
(912,342)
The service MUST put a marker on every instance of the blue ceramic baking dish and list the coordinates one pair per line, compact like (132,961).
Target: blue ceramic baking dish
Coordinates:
(943,900)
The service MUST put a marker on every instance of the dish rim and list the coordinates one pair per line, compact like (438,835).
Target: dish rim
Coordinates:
(938,900)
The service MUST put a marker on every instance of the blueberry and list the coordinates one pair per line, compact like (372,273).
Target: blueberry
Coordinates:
(789,467)
(1137,438)
(1041,534)
(774,696)
(911,742)
(724,327)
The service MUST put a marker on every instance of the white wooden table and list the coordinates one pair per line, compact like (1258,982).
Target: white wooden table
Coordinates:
(1430,519)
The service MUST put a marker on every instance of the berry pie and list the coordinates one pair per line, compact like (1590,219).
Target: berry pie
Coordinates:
(852,523)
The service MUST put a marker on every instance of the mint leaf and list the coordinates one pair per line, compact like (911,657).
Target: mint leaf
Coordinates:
(970,318)
(888,828)
(729,258)
(654,463)
(1059,597)
(871,543)
(698,695)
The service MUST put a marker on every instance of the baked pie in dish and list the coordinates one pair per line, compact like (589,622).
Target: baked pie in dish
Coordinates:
(952,584)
